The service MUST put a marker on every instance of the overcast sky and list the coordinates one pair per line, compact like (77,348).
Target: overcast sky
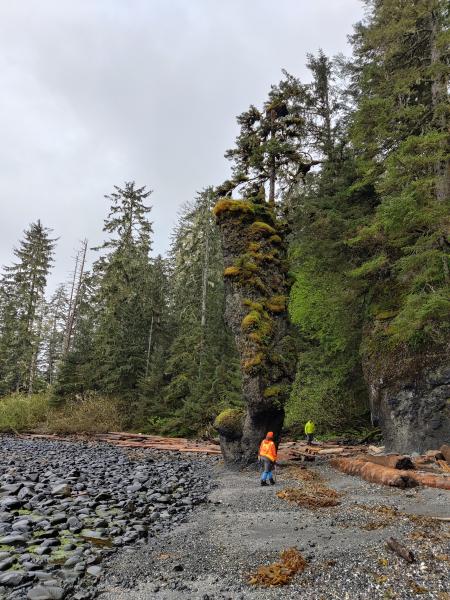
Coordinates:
(96,92)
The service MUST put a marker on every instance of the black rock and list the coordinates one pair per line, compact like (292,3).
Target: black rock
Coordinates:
(40,592)
(7,563)
(13,578)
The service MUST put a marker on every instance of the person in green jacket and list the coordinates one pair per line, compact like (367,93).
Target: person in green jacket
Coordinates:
(309,431)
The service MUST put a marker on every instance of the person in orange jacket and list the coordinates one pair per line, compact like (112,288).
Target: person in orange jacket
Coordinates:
(268,455)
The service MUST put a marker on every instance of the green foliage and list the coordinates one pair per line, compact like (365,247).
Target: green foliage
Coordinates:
(20,412)
(22,309)
(93,413)
(400,129)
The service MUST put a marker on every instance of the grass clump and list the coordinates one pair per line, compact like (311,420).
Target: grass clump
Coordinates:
(91,414)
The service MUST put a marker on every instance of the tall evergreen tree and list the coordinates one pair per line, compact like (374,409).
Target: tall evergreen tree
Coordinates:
(23,288)
(125,280)
(271,146)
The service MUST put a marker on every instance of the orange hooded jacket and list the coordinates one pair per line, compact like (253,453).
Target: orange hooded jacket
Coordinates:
(268,450)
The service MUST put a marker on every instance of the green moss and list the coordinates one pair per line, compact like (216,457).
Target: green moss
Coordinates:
(275,239)
(276,304)
(254,246)
(260,228)
(252,363)
(38,533)
(5,548)
(258,284)
(232,271)
(251,320)
(253,305)
(273,391)
(229,422)
(59,556)
(386,314)
(233,206)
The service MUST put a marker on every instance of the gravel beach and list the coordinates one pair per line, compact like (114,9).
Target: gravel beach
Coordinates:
(81,520)
(244,526)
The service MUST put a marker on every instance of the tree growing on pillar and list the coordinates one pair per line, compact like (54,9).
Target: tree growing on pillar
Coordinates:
(270,149)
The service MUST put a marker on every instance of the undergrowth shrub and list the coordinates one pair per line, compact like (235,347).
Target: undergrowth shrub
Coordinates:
(91,414)
(19,412)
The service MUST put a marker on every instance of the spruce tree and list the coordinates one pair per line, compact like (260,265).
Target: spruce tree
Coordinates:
(271,146)
(23,288)
(123,298)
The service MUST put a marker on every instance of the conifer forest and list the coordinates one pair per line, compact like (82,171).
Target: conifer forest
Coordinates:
(312,284)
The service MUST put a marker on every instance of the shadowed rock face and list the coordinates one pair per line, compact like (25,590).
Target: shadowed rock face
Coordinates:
(257,289)
(410,396)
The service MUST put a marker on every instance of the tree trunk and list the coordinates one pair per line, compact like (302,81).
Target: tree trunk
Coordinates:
(439,99)
(257,288)
(150,336)
(75,296)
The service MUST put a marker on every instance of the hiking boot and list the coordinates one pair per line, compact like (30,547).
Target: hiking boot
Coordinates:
(272,482)
(263,483)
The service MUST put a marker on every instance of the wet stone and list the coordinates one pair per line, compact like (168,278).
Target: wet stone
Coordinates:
(13,578)
(41,592)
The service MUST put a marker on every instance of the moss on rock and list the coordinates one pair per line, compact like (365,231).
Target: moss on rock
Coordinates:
(236,206)
(276,304)
(232,272)
(229,422)
(260,228)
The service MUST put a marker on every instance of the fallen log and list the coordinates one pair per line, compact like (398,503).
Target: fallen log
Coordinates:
(445,466)
(402,551)
(445,450)
(331,451)
(394,461)
(431,480)
(374,473)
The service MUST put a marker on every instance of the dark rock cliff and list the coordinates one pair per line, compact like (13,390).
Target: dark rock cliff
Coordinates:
(410,397)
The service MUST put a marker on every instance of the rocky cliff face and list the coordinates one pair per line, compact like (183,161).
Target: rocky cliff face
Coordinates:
(410,397)
(257,289)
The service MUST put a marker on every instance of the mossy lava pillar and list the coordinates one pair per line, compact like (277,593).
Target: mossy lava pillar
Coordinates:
(257,289)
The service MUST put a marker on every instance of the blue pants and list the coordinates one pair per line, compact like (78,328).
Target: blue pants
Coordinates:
(268,466)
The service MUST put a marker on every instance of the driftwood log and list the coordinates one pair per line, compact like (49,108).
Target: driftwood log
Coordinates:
(375,473)
(401,550)
(445,450)
(394,461)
